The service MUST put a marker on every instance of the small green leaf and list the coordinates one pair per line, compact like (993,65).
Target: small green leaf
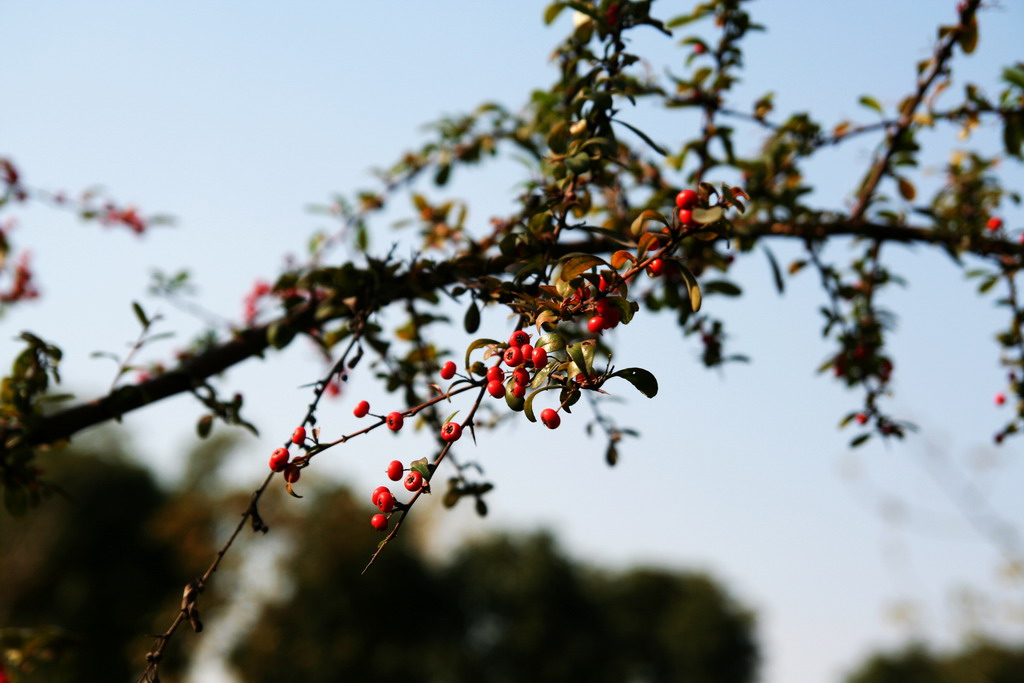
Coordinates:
(511,400)
(870,103)
(578,163)
(140,314)
(476,344)
(551,341)
(577,265)
(722,287)
(969,37)
(643,136)
(776,272)
(279,334)
(443,173)
(576,355)
(708,216)
(692,288)
(637,228)
(858,440)
(204,426)
(472,319)
(643,380)
(558,138)
(552,12)
(528,404)
(421,467)
(907,189)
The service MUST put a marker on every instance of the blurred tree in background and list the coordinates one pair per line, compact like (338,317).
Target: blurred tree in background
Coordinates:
(86,581)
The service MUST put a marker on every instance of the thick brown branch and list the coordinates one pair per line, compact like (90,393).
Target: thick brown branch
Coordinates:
(959,243)
(421,278)
(426,277)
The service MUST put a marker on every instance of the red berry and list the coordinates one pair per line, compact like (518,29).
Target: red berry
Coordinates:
(495,373)
(656,267)
(451,431)
(550,418)
(291,474)
(512,356)
(527,351)
(862,418)
(414,481)
(521,375)
(496,389)
(994,223)
(1000,399)
(686,199)
(385,501)
(448,370)
(518,338)
(596,324)
(395,421)
(361,409)
(279,459)
(379,522)
(395,470)
(299,435)
(602,284)
(603,307)
(376,493)
(685,217)
(540,358)
(519,390)
(698,48)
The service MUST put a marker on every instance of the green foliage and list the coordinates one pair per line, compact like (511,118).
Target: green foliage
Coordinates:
(982,661)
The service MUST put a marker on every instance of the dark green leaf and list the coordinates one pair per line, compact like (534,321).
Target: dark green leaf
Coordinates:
(858,440)
(643,136)
(204,426)
(722,287)
(472,319)
(140,314)
(643,380)
(528,404)
(776,272)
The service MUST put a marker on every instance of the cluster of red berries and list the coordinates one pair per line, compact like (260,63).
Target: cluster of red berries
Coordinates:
(385,500)
(280,459)
(520,356)
(686,200)
(259,290)
(22,288)
(128,217)
(606,315)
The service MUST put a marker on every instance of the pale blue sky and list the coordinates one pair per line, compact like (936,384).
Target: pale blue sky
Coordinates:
(235,116)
